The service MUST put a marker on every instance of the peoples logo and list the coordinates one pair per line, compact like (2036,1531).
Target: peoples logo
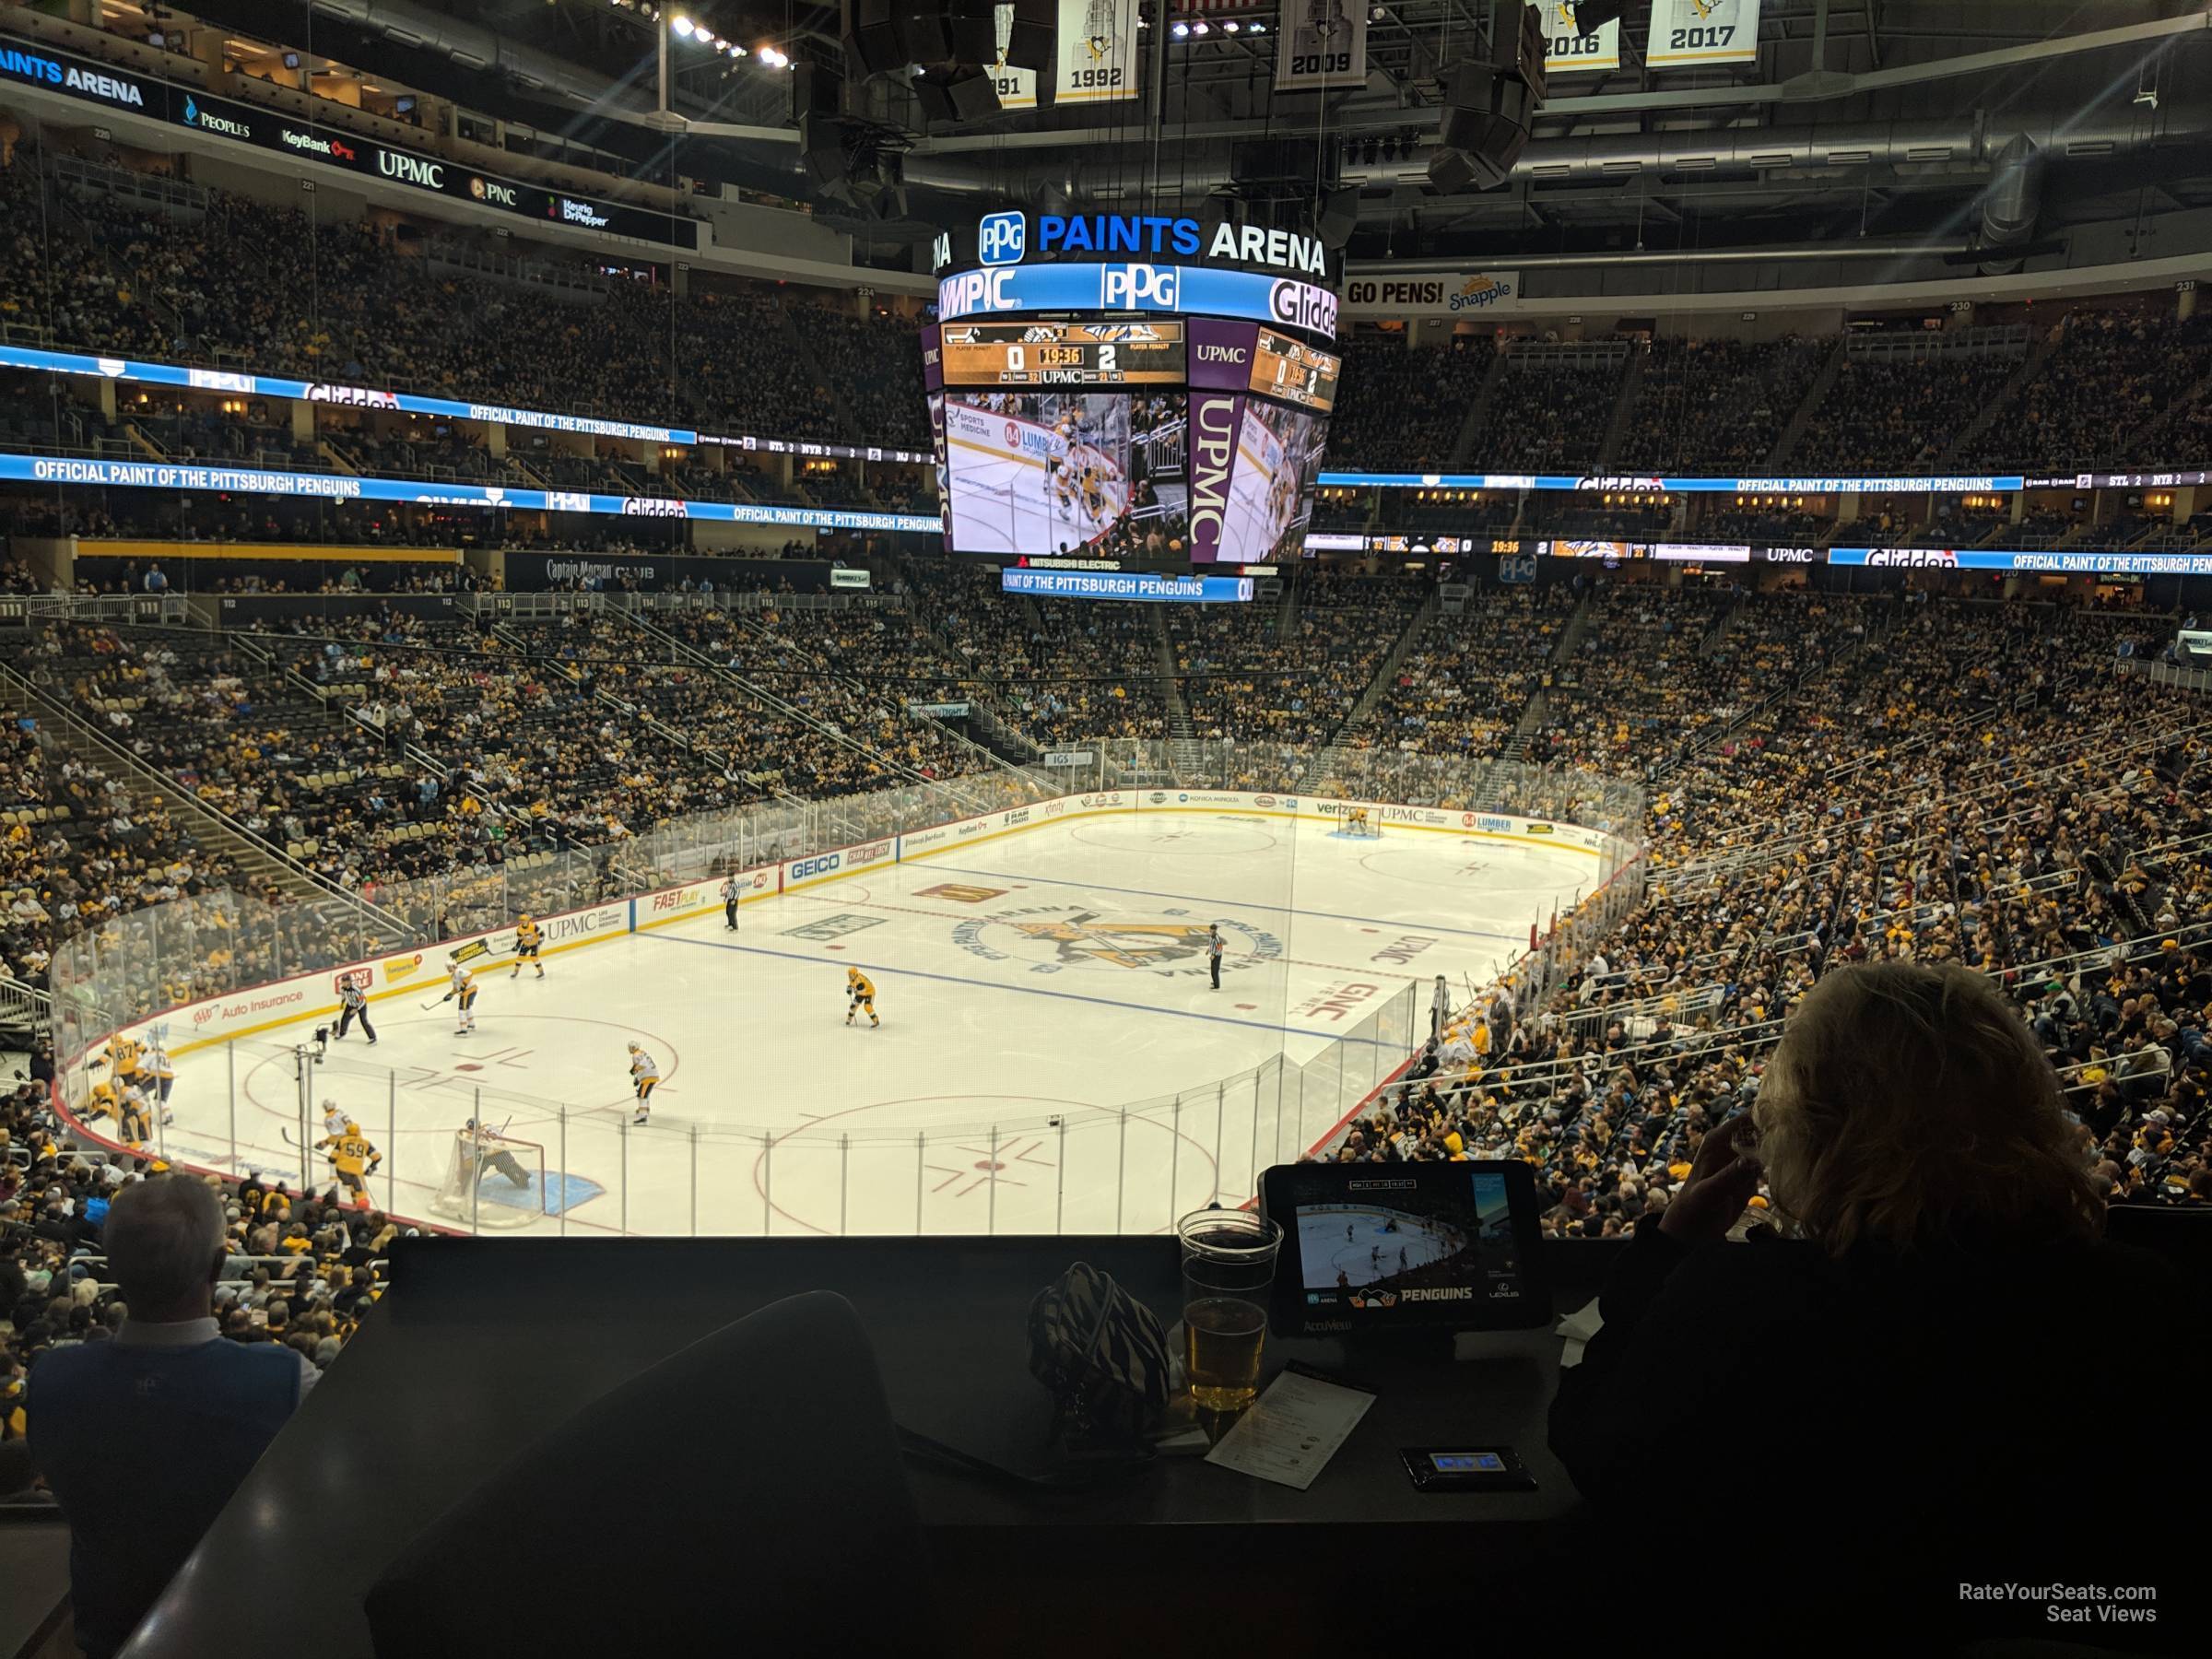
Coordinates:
(1003,238)
(1058,938)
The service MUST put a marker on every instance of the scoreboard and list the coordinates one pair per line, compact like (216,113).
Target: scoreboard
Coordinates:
(1294,372)
(1066,354)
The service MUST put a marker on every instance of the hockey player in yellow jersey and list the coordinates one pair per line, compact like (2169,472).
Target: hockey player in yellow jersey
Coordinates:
(350,1150)
(859,991)
(123,1059)
(526,941)
(103,1102)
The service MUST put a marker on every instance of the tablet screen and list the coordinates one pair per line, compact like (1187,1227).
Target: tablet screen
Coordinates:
(1375,1248)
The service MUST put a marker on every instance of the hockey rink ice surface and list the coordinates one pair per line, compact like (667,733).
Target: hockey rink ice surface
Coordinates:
(1047,1061)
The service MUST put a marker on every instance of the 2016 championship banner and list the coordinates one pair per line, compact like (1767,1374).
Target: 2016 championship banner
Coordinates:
(1568,50)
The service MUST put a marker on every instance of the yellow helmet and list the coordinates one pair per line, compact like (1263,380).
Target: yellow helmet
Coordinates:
(525,915)
(851,974)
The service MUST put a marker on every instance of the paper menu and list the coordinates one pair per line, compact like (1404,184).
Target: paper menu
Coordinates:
(1292,1429)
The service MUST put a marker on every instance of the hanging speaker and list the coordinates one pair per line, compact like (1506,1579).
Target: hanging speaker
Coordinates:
(1034,38)
(1590,16)
(815,89)
(925,31)
(871,38)
(974,31)
(1337,217)
(822,151)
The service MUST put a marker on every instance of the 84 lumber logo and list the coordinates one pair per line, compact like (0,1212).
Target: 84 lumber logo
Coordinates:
(1054,937)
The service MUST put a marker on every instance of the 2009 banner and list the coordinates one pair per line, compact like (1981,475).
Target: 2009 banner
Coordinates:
(1321,43)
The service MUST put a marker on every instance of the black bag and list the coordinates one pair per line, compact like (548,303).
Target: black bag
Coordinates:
(1103,1355)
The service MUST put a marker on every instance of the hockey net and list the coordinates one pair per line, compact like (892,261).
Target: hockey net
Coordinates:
(493,1181)
(1358,822)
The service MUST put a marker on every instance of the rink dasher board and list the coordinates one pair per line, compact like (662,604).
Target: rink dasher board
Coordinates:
(314,996)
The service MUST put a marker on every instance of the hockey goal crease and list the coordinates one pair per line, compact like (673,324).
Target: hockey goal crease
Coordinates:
(492,1181)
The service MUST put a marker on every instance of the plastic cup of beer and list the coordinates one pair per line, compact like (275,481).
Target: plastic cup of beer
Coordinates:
(1227,1279)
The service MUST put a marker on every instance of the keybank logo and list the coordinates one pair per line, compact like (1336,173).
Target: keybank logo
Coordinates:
(1003,238)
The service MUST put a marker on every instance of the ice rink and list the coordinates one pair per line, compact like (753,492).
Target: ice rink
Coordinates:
(1052,1054)
(1003,506)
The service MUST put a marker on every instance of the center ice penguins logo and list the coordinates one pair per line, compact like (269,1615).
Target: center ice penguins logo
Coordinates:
(1054,937)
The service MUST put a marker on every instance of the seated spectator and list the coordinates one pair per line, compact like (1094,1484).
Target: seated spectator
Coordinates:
(143,1438)
(1871,1404)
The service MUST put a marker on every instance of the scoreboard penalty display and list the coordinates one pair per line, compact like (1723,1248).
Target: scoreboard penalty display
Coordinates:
(1160,415)
(1065,354)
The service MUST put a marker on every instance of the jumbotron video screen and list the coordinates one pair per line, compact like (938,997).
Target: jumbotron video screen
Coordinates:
(1169,440)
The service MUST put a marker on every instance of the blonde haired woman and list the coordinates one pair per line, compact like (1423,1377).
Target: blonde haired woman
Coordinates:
(1927,1372)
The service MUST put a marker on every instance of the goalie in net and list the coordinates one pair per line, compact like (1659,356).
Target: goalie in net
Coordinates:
(1362,820)
(480,1153)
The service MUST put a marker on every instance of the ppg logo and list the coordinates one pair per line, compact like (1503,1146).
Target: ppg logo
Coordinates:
(1139,288)
(1003,238)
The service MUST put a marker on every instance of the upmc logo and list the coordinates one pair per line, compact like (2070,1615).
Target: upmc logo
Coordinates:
(1003,238)
(974,291)
(1138,288)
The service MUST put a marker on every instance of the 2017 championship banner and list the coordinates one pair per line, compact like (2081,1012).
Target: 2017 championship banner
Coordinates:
(1702,32)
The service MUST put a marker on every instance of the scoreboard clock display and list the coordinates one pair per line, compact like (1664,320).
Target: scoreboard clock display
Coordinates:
(1296,372)
(1066,354)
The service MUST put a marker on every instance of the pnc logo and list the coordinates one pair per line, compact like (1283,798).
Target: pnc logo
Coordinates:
(1003,238)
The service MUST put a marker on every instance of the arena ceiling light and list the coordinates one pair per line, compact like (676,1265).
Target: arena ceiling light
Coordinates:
(682,27)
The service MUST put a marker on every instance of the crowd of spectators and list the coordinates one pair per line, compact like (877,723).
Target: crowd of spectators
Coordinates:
(1953,783)
(1544,416)
(1718,404)
(1887,413)
(1465,681)
(302,1271)
(1403,407)
(2108,381)
(221,277)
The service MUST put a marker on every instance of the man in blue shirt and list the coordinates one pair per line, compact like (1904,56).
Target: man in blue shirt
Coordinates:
(143,1439)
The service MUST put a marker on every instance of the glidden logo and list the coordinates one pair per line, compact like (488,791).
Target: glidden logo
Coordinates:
(1301,305)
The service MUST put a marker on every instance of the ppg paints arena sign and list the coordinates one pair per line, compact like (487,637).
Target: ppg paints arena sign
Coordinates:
(1078,263)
